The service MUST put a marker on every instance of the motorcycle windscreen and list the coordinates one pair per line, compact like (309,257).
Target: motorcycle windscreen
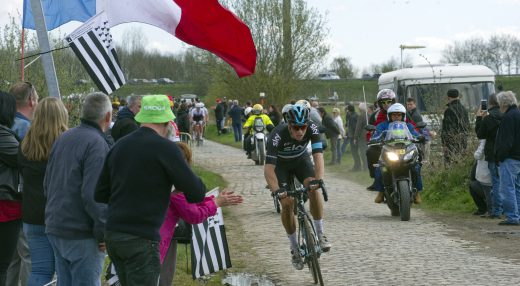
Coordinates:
(398,130)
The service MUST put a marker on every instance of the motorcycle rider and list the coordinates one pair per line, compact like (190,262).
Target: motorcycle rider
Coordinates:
(257,112)
(396,112)
(286,156)
(385,98)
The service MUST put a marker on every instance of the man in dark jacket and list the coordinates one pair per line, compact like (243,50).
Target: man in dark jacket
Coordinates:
(413,113)
(137,190)
(332,132)
(220,110)
(455,127)
(183,118)
(236,112)
(486,127)
(125,122)
(507,153)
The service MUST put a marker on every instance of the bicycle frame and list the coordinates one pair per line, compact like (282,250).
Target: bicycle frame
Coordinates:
(302,214)
(308,242)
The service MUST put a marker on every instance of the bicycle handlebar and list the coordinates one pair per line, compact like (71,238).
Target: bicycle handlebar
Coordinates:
(304,190)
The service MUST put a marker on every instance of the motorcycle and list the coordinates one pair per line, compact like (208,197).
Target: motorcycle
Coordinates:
(258,141)
(399,157)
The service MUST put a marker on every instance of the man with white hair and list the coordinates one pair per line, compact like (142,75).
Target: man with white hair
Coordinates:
(507,153)
(74,222)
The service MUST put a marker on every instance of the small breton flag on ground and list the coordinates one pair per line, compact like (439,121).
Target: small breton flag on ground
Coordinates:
(111,275)
(92,43)
(209,248)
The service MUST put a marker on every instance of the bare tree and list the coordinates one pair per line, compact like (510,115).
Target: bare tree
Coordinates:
(265,20)
(501,53)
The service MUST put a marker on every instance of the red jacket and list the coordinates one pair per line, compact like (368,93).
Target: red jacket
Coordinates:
(10,210)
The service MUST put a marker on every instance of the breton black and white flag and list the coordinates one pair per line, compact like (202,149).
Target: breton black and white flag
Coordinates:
(93,45)
(209,247)
(111,276)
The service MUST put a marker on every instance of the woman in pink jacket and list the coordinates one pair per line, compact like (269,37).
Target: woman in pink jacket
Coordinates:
(190,213)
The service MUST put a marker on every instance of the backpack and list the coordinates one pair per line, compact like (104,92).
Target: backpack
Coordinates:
(183,232)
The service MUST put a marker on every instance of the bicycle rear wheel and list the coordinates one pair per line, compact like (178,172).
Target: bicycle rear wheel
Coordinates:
(312,254)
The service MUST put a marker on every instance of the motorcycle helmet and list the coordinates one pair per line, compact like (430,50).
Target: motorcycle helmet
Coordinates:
(298,115)
(285,112)
(384,95)
(247,110)
(304,103)
(199,105)
(396,108)
(257,109)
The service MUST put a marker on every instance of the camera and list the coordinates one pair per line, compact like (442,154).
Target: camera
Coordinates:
(483,105)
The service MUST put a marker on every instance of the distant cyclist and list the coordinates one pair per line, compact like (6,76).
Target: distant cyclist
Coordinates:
(286,156)
(198,115)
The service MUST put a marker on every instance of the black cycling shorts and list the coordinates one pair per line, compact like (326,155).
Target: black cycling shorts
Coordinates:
(302,168)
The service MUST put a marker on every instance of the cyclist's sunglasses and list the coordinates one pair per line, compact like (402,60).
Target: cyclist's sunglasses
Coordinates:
(388,101)
(299,127)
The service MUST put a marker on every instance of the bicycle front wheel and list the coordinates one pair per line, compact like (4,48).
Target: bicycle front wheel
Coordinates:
(312,253)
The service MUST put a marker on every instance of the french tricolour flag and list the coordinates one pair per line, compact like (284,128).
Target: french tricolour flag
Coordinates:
(202,23)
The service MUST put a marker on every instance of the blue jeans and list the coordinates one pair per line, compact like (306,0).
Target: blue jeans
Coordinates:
(510,188)
(237,130)
(346,140)
(41,253)
(496,196)
(78,262)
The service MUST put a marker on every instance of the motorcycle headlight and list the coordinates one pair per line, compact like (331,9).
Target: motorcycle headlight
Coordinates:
(408,156)
(259,128)
(391,156)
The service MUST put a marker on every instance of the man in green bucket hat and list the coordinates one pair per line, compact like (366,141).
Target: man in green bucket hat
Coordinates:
(136,182)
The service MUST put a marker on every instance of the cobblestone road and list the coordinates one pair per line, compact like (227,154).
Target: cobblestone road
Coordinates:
(369,246)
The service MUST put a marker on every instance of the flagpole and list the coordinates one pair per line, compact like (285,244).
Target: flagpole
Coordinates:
(43,41)
(366,106)
(22,54)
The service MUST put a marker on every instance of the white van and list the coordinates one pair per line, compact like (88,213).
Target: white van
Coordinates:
(428,85)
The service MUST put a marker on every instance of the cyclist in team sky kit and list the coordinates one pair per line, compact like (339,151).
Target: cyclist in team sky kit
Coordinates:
(287,155)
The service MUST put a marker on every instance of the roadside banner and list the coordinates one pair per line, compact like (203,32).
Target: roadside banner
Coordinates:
(209,247)
(92,43)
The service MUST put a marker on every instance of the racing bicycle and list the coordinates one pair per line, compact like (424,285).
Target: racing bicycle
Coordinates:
(308,242)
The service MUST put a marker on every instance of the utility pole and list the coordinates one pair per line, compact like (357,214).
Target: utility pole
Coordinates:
(43,42)
(287,40)
(402,47)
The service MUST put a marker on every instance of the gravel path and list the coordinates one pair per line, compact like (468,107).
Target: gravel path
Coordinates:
(369,246)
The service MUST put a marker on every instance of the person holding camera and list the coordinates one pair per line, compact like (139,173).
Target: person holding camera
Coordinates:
(486,126)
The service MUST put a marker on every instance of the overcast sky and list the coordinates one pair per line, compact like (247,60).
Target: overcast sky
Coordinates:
(370,31)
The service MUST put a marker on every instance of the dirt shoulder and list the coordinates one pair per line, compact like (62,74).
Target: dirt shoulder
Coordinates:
(491,238)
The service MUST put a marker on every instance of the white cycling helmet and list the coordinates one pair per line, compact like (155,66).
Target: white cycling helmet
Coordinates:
(285,112)
(247,110)
(396,108)
(304,103)
(199,104)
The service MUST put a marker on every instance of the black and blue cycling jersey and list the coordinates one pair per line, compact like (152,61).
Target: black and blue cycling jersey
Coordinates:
(282,147)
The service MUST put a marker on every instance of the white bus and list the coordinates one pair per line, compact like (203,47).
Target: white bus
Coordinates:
(428,85)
